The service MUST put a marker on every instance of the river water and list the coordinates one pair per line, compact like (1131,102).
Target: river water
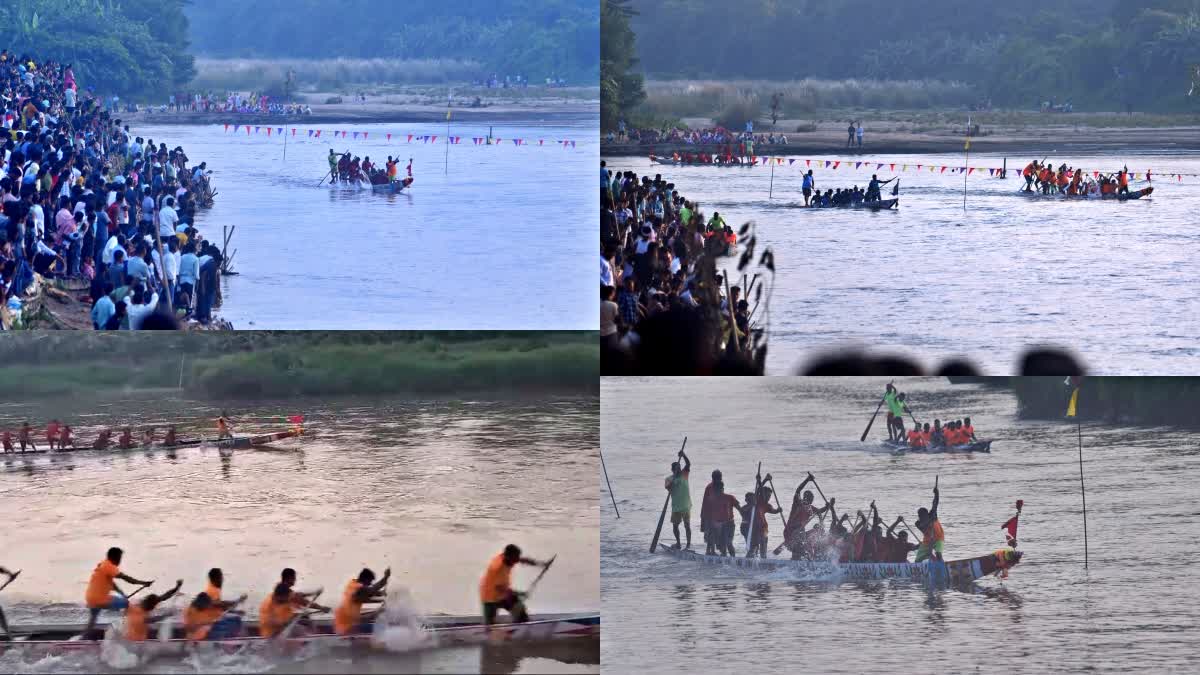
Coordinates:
(1111,281)
(431,488)
(1131,610)
(471,249)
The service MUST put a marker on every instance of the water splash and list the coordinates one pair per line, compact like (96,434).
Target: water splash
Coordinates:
(400,626)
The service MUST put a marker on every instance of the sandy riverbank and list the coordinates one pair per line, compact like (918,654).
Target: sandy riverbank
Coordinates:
(403,109)
(1077,133)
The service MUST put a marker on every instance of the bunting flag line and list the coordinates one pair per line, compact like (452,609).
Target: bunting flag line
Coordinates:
(836,164)
(426,139)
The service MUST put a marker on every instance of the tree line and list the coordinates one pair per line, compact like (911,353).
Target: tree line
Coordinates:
(1106,55)
(532,38)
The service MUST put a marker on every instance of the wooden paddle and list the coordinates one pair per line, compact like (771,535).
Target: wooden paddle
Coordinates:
(299,615)
(775,494)
(545,568)
(754,510)
(11,579)
(877,409)
(663,516)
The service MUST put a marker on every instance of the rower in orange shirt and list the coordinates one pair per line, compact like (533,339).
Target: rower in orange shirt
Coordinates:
(272,613)
(52,433)
(24,437)
(349,617)
(933,538)
(210,618)
(6,441)
(102,441)
(223,430)
(495,587)
(1123,181)
(100,588)
(65,438)
(969,430)
(138,618)
(916,439)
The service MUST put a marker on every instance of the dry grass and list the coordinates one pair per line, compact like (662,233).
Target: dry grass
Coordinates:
(708,98)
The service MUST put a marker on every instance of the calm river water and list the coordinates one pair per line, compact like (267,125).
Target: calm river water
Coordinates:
(472,249)
(1112,281)
(432,489)
(1132,610)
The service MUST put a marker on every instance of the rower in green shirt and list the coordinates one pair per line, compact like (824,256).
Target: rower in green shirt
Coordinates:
(681,498)
(896,408)
(716,223)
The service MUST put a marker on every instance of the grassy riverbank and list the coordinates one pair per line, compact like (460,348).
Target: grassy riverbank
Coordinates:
(295,364)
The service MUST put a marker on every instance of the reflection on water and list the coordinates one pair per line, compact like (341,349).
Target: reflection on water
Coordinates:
(431,488)
(1123,613)
(935,281)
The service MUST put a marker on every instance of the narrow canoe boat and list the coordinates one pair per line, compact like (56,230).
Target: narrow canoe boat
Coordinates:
(1133,194)
(244,442)
(43,451)
(875,205)
(724,165)
(977,446)
(49,640)
(956,571)
(393,187)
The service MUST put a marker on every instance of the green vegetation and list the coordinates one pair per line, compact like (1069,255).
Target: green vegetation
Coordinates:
(1140,400)
(532,38)
(327,74)
(282,364)
(131,47)
(621,86)
(1110,56)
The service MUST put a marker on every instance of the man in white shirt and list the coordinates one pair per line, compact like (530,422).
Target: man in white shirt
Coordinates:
(168,218)
(137,313)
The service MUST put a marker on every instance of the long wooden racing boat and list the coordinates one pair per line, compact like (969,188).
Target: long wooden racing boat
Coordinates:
(244,442)
(442,631)
(1133,194)
(977,446)
(952,571)
(393,187)
(725,165)
(873,205)
(43,451)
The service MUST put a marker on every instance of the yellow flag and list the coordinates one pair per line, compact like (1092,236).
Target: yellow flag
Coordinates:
(1071,405)
(447,114)
(967,146)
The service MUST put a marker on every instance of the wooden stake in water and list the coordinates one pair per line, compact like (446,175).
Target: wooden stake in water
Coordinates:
(1083,493)
(966,162)
(606,480)
(771,191)
(448,99)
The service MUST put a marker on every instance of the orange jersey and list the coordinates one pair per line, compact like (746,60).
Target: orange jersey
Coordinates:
(272,616)
(197,622)
(497,580)
(136,627)
(101,585)
(933,534)
(348,613)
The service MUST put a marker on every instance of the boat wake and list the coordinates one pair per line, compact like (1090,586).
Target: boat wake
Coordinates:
(400,627)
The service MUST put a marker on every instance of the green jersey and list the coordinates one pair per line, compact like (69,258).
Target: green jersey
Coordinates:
(894,404)
(681,496)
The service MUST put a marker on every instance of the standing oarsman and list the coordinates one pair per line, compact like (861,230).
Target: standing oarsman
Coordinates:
(223,430)
(896,408)
(25,437)
(103,592)
(707,511)
(720,524)
(930,527)
(495,587)
(681,498)
(348,618)
(761,509)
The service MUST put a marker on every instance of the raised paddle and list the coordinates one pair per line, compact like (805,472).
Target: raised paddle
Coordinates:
(11,579)
(754,510)
(868,429)
(775,494)
(663,516)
